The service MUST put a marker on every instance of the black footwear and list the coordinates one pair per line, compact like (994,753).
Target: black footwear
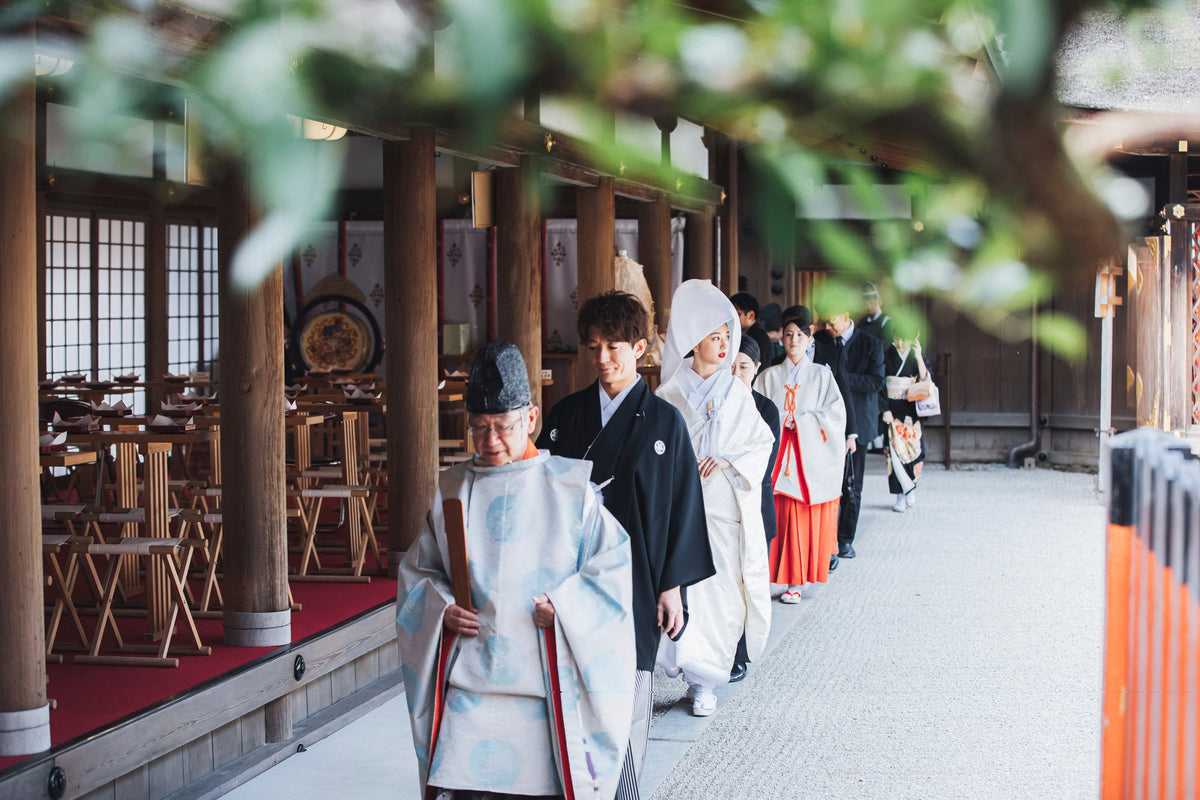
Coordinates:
(738,672)
(833,559)
(845,550)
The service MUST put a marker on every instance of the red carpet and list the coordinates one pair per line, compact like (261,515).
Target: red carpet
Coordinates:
(91,697)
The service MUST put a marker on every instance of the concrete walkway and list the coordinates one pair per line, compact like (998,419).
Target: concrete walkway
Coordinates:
(959,656)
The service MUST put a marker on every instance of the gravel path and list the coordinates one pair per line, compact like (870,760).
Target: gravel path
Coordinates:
(959,656)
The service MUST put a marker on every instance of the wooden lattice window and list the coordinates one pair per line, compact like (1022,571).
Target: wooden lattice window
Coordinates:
(211,329)
(120,297)
(191,297)
(68,295)
(95,283)
(183,298)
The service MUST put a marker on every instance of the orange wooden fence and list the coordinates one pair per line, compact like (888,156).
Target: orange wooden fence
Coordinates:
(1151,739)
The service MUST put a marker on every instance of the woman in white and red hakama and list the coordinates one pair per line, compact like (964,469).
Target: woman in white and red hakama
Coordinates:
(808,469)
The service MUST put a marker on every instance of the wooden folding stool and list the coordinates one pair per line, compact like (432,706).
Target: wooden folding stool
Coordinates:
(168,601)
(54,546)
(360,531)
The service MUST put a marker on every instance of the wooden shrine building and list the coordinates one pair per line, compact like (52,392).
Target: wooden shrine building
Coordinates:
(128,270)
(110,268)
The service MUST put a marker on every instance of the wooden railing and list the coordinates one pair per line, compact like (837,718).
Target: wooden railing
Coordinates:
(1151,738)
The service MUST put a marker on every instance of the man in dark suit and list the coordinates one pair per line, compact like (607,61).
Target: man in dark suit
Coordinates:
(770,317)
(747,311)
(875,322)
(857,363)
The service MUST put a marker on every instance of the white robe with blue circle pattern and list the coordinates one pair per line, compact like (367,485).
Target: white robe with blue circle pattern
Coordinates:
(533,526)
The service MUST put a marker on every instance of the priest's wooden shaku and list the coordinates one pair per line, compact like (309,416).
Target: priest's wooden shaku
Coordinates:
(456,543)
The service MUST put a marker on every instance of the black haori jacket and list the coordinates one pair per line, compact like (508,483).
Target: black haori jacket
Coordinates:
(654,492)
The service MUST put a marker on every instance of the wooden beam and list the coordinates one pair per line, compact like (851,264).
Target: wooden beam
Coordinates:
(75,186)
(573,174)
(597,229)
(1182,211)
(519,265)
(493,155)
(22,655)
(654,252)
(410,363)
(252,437)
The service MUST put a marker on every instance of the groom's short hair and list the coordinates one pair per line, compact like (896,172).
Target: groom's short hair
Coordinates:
(615,316)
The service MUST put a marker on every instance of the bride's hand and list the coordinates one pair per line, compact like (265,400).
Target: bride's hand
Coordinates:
(710,464)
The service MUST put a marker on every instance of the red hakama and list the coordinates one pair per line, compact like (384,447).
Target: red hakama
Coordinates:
(806,535)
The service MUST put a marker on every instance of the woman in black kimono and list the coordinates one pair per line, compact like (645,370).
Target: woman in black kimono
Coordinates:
(904,441)
(745,368)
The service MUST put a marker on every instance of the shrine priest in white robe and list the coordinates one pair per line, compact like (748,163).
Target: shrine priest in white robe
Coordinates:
(529,692)
(733,446)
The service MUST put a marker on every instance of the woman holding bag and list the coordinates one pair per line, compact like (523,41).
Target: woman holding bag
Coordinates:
(904,444)
(808,471)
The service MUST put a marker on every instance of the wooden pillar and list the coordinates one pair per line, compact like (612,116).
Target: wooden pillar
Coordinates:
(24,713)
(533,107)
(725,173)
(698,253)
(257,610)
(596,209)
(1176,408)
(411,359)
(277,719)
(1177,174)
(40,266)
(519,265)
(654,251)
(666,126)
(156,304)
(39,161)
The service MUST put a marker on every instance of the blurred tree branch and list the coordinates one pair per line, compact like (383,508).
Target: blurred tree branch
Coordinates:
(791,76)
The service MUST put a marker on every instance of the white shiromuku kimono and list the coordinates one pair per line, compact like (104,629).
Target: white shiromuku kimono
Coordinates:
(516,708)
(738,597)
(820,417)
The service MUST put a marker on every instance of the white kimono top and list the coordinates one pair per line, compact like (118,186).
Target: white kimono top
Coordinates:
(739,596)
(533,526)
(808,392)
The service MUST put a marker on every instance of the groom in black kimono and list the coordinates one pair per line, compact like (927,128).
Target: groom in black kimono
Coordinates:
(643,462)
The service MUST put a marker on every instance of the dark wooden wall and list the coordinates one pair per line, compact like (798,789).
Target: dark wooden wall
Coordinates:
(990,384)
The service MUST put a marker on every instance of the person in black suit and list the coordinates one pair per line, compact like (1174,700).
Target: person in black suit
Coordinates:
(747,311)
(857,363)
(875,322)
(879,325)
(745,368)
(770,317)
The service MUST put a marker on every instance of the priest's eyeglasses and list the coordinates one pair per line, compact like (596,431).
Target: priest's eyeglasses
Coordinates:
(483,431)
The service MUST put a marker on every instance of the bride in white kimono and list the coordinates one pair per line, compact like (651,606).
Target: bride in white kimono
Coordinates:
(732,445)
